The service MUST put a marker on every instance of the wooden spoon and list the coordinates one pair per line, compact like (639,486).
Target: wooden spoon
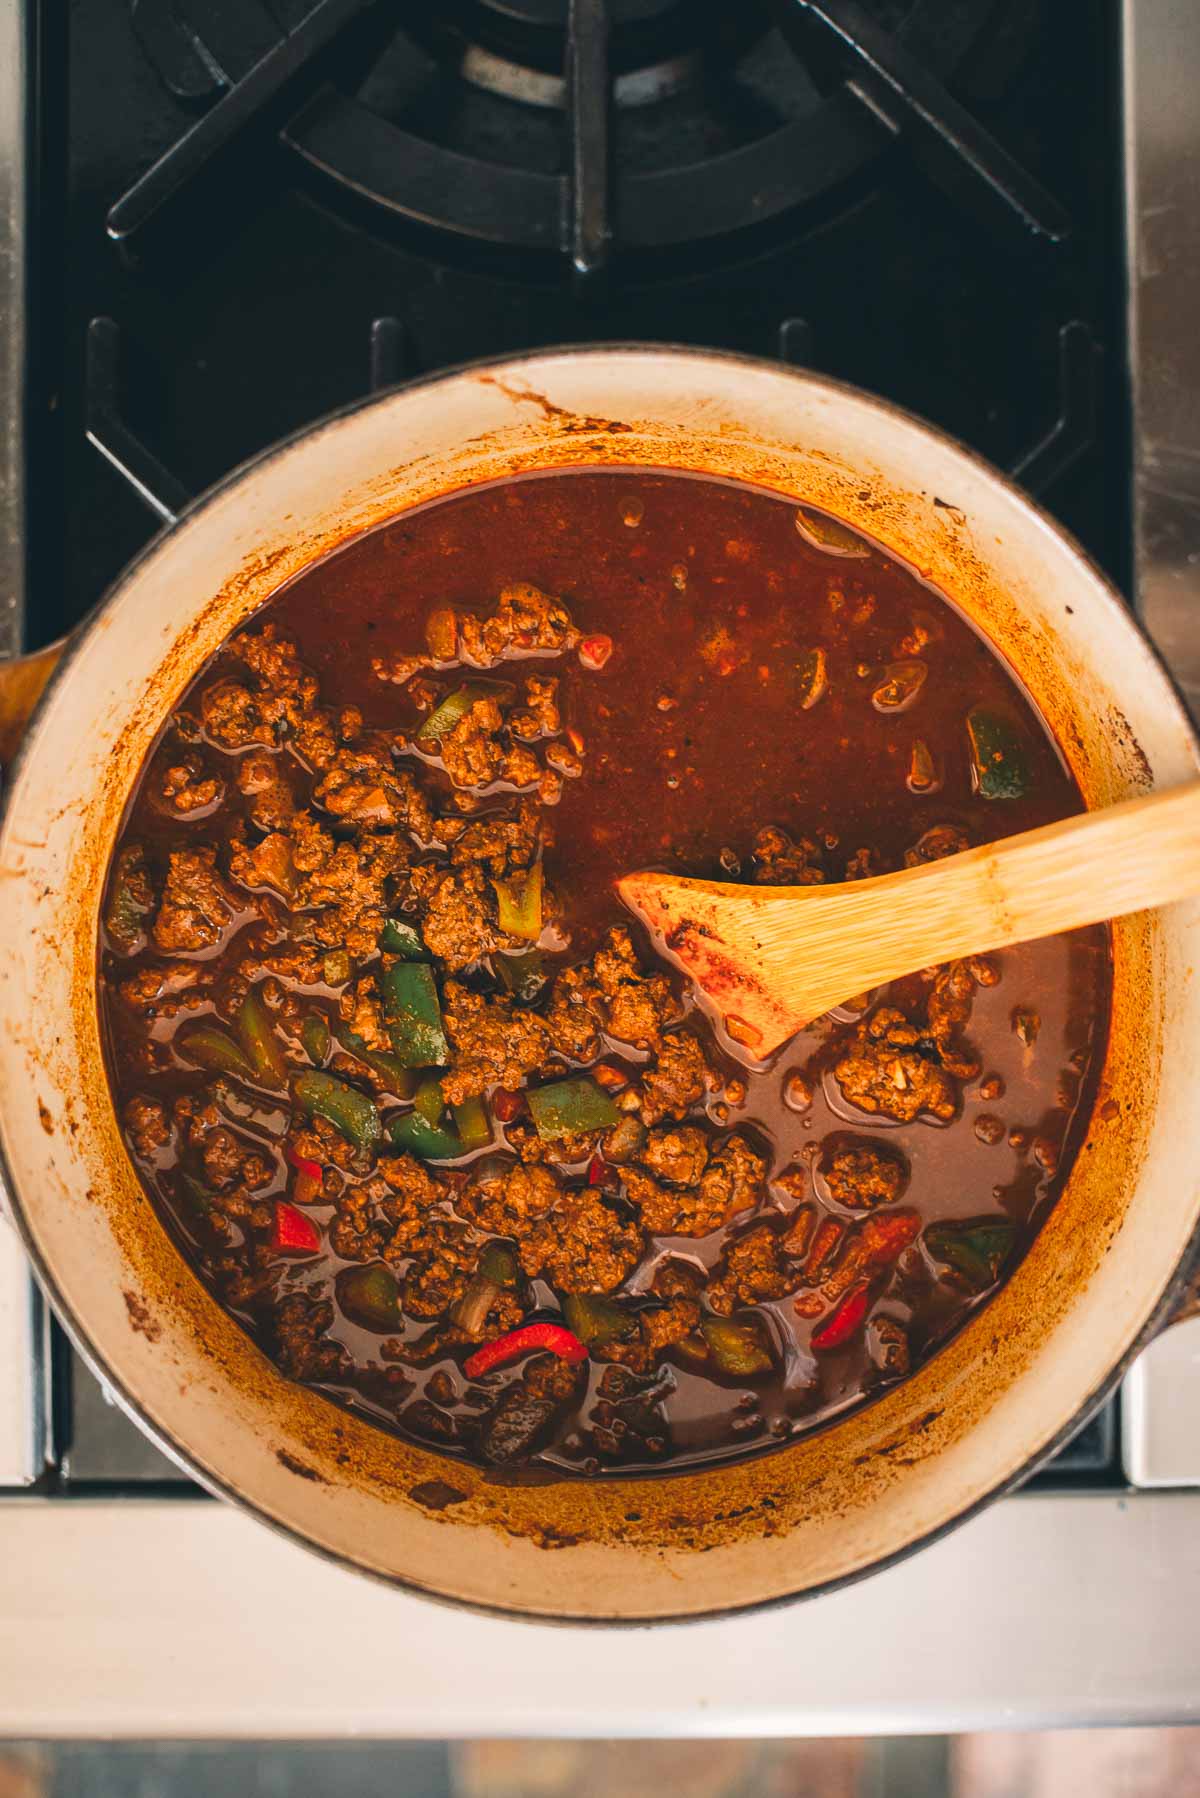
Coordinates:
(770,959)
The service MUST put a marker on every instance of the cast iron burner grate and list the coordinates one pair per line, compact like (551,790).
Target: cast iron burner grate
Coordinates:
(587,128)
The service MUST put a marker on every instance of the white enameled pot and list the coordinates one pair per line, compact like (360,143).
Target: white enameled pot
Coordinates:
(1100,1276)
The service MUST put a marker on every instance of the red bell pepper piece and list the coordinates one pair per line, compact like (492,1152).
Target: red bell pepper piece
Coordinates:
(594,651)
(599,1173)
(559,1340)
(845,1321)
(506,1106)
(302,1163)
(292,1233)
(885,1237)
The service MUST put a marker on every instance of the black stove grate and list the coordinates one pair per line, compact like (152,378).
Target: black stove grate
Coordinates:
(862,189)
(864,85)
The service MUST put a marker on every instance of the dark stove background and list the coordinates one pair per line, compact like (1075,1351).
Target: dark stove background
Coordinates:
(430,185)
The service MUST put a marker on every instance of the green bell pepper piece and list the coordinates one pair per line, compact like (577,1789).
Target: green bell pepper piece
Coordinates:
(370,1296)
(596,1320)
(348,1110)
(519,903)
(401,938)
(391,1070)
(523,976)
(257,1033)
(422,1131)
(430,1141)
(737,1348)
(472,1123)
(453,709)
(998,762)
(413,1014)
(208,1046)
(335,967)
(498,1263)
(975,1250)
(570,1108)
(130,898)
(314,1034)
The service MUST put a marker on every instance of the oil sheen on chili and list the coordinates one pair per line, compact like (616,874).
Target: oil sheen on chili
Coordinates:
(408,1087)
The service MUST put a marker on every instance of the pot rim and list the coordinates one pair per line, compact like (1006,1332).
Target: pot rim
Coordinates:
(211,1481)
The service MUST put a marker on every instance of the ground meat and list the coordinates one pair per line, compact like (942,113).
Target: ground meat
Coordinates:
(348,883)
(754,1268)
(540,716)
(228,1160)
(472,752)
(234,718)
(575,1015)
(890,1066)
(281,697)
(677,1156)
(948,1009)
(635,1005)
(261,778)
(164,990)
(273,659)
(581,1245)
(525,620)
(445,1256)
(522,1416)
(730,1182)
(494,1042)
(359,1231)
(862,865)
(677,1081)
(315,738)
(864,1175)
(362,786)
(664,1327)
(501,845)
(195,906)
(300,1325)
(778,861)
(268,864)
(458,914)
(184,787)
(147,1126)
(521,768)
(657,1330)
(512,1202)
(362,1013)
(299,962)
(940,840)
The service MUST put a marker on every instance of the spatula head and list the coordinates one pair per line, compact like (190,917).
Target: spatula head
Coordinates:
(726,938)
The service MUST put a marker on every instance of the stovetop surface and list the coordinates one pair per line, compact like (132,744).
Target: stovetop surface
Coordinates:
(380,196)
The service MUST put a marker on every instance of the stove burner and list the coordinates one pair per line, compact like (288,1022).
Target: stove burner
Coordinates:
(643,125)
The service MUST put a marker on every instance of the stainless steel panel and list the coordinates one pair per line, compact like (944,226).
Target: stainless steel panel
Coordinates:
(1162,148)
(20,1314)
(1161,1399)
(183,1619)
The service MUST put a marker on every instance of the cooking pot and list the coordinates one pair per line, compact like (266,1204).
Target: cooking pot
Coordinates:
(1105,1268)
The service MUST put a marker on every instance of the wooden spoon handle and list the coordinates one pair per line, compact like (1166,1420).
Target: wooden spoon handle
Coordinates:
(1103,864)
(21,682)
(772,958)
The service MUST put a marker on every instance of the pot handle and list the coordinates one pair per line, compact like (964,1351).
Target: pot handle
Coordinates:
(22,680)
(1187,1304)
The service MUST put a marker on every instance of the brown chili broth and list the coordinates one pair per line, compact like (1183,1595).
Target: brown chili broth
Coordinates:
(681,762)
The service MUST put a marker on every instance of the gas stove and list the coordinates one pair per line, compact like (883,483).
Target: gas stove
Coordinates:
(225,220)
